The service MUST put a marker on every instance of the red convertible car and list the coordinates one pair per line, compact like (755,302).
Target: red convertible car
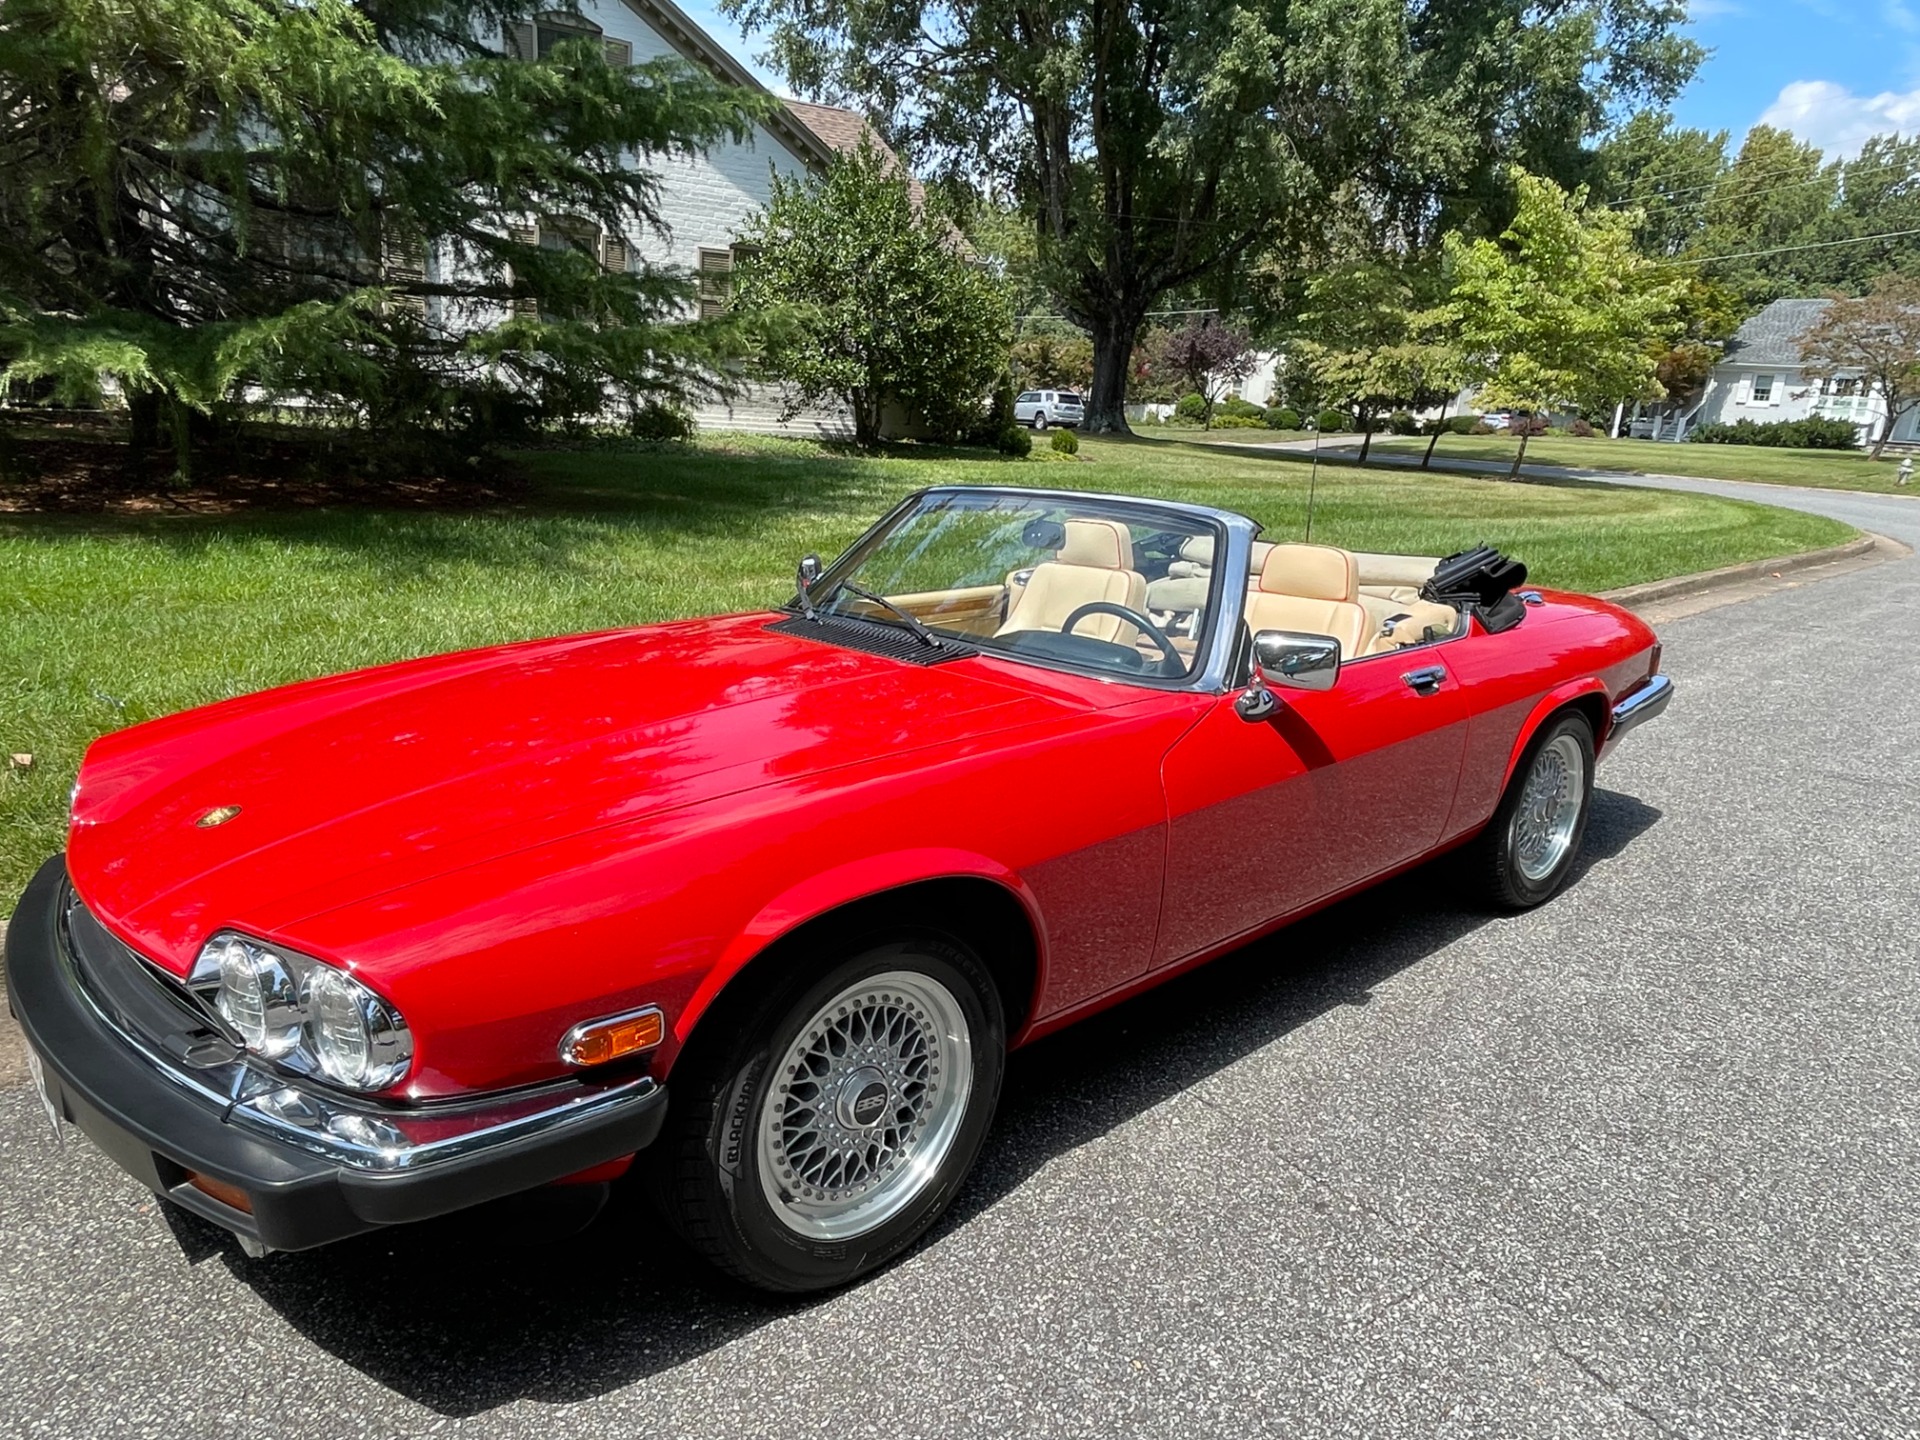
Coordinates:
(377,947)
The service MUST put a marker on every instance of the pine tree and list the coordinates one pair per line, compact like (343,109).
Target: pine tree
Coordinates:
(378,206)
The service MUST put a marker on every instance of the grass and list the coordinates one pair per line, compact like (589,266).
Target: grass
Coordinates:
(105,621)
(1822,469)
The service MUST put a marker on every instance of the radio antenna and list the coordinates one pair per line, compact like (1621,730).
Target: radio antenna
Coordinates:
(1313,476)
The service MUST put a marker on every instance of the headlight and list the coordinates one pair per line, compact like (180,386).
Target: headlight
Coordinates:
(357,1037)
(305,1014)
(259,995)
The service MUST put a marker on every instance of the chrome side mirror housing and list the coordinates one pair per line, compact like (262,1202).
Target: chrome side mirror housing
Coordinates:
(1287,660)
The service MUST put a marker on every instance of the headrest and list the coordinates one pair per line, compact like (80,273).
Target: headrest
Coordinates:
(1310,572)
(1199,550)
(1103,544)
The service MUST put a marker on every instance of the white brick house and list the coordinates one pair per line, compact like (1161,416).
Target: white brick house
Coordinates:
(704,201)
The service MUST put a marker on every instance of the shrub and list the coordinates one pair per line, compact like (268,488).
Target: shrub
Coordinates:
(1467,425)
(1240,409)
(1066,442)
(1192,406)
(1527,425)
(1333,421)
(1401,423)
(1479,427)
(1015,441)
(1283,418)
(654,421)
(1810,434)
(1580,429)
(1238,422)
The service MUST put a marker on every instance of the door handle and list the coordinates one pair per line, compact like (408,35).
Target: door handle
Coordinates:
(1426,680)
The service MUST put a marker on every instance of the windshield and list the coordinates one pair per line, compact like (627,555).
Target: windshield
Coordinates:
(1104,585)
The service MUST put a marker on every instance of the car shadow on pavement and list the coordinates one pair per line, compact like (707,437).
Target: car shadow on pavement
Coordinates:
(469,1313)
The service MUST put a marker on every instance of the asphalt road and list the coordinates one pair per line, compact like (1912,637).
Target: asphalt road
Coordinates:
(1644,1161)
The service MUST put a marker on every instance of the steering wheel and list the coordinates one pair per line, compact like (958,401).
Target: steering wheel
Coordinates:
(1134,618)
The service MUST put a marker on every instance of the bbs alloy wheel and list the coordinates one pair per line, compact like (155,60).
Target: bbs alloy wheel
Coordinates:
(834,1122)
(1533,841)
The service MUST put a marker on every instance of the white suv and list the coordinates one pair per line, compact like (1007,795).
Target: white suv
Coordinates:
(1041,408)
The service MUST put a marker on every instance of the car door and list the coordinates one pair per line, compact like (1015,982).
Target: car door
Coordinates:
(1337,786)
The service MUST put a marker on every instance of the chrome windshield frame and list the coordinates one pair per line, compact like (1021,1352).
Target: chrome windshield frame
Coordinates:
(1215,655)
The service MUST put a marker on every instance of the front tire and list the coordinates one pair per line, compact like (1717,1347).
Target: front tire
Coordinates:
(834,1121)
(1533,841)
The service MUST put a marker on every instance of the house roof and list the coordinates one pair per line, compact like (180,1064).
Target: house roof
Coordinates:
(843,130)
(814,133)
(1773,336)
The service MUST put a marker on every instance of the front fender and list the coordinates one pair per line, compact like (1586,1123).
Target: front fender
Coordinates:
(843,884)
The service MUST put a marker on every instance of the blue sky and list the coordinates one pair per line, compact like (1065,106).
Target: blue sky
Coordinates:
(1831,72)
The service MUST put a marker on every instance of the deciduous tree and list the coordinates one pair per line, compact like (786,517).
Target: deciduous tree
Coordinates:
(886,306)
(1209,358)
(1876,337)
(1162,145)
(1560,311)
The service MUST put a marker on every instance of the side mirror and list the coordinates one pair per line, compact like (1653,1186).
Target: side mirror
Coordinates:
(809,571)
(1287,660)
(1295,661)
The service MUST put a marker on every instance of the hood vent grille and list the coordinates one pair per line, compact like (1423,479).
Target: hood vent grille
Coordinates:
(896,642)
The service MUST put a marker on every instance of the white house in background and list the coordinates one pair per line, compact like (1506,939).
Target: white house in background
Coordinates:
(1762,378)
(704,200)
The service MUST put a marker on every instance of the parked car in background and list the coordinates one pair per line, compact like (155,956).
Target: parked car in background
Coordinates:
(380,946)
(1041,408)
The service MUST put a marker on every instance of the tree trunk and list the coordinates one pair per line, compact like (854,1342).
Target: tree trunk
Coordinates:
(145,410)
(1106,411)
(1366,434)
(1526,429)
(866,417)
(1886,433)
(1426,460)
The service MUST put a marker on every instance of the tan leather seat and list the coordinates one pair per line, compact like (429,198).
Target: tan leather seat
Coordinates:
(1094,563)
(1313,589)
(1396,624)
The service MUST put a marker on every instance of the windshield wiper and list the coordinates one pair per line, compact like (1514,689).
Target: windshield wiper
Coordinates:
(913,622)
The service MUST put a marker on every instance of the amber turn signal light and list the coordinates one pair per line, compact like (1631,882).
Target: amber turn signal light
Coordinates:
(231,1196)
(596,1042)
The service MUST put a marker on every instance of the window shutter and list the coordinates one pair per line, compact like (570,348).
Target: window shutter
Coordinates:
(619,53)
(404,262)
(521,42)
(614,254)
(716,281)
(527,235)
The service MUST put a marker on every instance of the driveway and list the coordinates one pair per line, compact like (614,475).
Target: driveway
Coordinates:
(1643,1162)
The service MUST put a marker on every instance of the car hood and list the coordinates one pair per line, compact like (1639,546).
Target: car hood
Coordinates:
(355,785)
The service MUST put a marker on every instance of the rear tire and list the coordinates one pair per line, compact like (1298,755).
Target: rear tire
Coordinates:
(834,1119)
(1533,841)
(1040,421)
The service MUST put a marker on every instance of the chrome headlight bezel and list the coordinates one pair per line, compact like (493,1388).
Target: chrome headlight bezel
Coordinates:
(361,1042)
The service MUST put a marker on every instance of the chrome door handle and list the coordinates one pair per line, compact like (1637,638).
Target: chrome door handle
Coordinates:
(1427,680)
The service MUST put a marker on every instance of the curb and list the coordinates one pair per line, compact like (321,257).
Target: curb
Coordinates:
(1703,581)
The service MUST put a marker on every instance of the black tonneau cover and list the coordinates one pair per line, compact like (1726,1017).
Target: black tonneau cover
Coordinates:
(1483,580)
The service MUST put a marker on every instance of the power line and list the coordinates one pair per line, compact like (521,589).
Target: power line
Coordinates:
(1732,173)
(1791,249)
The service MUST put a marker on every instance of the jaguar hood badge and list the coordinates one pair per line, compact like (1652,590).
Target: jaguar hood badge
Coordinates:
(219,815)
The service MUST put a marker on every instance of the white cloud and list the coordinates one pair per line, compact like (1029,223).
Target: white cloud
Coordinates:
(1718,9)
(1839,121)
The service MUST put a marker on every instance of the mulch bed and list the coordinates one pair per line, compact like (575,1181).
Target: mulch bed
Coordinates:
(83,466)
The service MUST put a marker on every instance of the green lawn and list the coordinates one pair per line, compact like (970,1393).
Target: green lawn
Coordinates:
(1825,469)
(106,621)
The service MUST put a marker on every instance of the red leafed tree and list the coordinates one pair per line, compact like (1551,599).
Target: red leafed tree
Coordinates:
(1209,357)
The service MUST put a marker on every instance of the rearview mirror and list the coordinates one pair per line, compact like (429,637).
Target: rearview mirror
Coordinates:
(1295,661)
